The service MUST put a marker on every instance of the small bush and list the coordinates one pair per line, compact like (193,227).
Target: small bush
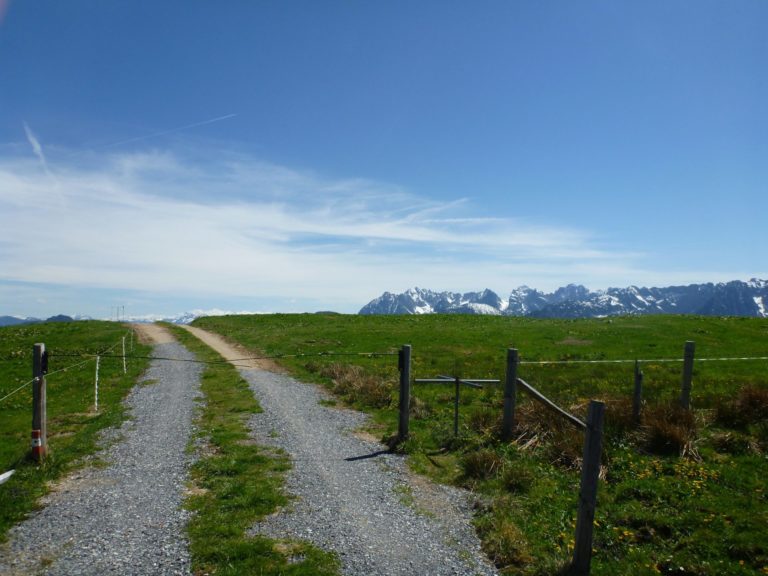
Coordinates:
(506,544)
(668,429)
(733,443)
(618,416)
(565,446)
(420,410)
(481,464)
(517,478)
(750,406)
(357,386)
(485,421)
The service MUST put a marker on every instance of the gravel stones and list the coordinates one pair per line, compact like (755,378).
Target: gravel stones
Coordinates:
(354,498)
(125,518)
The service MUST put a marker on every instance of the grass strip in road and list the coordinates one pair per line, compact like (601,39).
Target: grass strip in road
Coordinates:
(236,483)
(74,425)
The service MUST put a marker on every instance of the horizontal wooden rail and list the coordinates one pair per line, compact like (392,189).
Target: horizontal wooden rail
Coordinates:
(551,405)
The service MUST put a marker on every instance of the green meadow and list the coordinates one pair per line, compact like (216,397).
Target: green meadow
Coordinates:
(682,492)
(73,422)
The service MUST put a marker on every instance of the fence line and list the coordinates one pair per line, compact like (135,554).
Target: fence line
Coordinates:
(66,368)
(195,361)
(649,361)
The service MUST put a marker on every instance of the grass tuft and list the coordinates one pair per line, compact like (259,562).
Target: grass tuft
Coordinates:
(669,429)
(355,384)
(749,407)
(480,464)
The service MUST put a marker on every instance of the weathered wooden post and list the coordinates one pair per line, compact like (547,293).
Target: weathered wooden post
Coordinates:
(404,364)
(510,395)
(685,392)
(457,383)
(637,398)
(590,473)
(39,416)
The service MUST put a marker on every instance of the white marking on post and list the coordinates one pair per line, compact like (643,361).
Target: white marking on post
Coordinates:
(96,386)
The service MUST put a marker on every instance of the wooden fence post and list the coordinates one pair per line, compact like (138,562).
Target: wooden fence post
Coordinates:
(685,392)
(405,392)
(590,473)
(637,398)
(510,395)
(457,383)
(39,416)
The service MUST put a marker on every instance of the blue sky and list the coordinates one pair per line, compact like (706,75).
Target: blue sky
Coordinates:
(296,156)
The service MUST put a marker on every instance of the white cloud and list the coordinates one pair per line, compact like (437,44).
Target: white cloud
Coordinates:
(238,228)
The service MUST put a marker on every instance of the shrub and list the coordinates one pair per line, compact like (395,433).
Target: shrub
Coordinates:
(419,410)
(504,543)
(733,443)
(668,429)
(356,385)
(480,464)
(750,406)
(485,421)
(618,416)
(517,478)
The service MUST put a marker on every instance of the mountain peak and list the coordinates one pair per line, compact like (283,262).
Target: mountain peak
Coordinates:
(735,298)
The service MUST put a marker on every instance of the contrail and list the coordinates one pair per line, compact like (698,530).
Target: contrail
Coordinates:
(36,148)
(170,131)
(38,151)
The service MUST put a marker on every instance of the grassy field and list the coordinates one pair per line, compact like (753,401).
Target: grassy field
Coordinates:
(73,424)
(236,482)
(683,493)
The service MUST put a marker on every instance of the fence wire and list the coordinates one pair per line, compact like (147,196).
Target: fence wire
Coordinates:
(640,360)
(18,389)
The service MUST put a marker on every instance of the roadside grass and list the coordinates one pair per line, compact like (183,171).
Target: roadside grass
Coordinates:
(236,482)
(683,493)
(73,424)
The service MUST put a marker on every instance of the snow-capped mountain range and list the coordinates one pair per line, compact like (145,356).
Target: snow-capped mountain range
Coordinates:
(735,298)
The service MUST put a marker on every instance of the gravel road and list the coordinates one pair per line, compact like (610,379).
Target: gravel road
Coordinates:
(351,496)
(124,518)
(354,498)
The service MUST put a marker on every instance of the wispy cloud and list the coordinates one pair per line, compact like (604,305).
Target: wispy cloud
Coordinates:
(240,228)
(37,148)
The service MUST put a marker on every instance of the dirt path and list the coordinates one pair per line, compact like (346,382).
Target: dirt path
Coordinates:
(235,353)
(153,334)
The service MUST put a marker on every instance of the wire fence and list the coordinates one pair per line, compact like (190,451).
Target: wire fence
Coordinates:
(240,362)
(88,358)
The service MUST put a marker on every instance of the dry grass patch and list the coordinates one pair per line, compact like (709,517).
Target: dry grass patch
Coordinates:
(750,406)
(354,384)
(669,429)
